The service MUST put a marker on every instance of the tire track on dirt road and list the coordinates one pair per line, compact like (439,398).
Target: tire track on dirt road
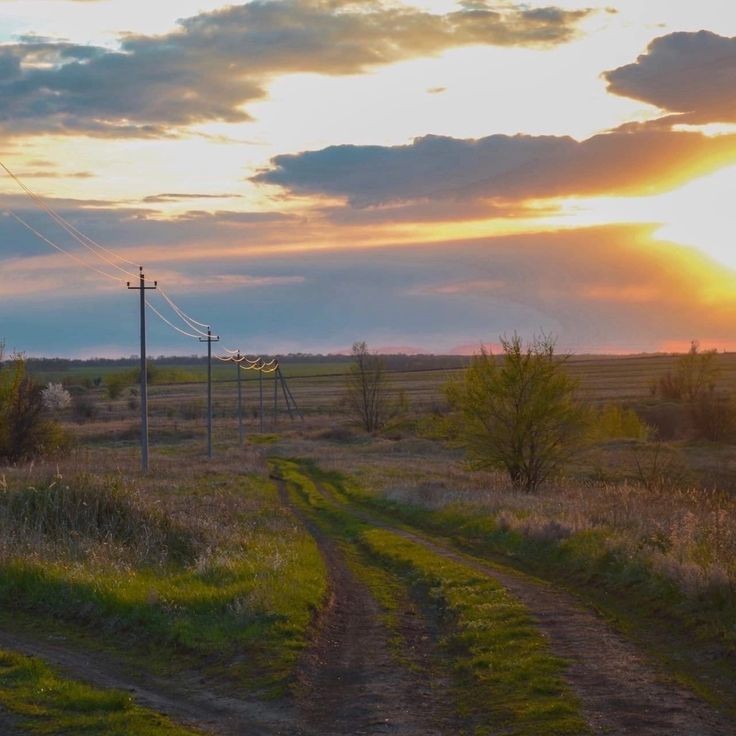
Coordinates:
(350,681)
(622,693)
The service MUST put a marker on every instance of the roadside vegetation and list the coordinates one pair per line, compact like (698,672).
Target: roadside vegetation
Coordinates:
(194,563)
(662,563)
(43,702)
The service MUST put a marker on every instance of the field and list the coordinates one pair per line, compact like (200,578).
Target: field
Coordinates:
(319,580)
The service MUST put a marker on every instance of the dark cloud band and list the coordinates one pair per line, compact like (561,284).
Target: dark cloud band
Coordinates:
(690,74)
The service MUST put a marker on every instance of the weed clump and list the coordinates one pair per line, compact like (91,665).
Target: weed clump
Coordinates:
(74,520)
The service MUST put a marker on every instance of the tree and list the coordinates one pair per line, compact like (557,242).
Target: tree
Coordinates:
(695,374)
(519,414)
(24,431)
(366,388)
(56,397)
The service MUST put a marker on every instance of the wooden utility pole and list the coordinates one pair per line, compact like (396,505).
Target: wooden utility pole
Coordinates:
(144,369)
(260,388)
(240,398)
(209,340)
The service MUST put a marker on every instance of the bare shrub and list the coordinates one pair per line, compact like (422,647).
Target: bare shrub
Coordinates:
(713,416)
(659,467)
(366,389)
(84,408)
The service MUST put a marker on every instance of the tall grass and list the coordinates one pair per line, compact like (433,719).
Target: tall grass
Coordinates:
(200,559)
(85,517)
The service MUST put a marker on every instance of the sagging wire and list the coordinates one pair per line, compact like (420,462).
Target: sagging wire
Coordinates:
(67,253)
(188,321)
(84,240)
(170,324)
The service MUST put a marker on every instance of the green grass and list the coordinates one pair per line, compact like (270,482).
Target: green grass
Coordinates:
(45,703)
(256,592)
(506,677)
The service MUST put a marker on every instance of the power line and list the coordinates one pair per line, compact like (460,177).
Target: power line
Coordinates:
(188,321)
(90,244)
(182,313)
(62,250)
(170,324)
(70,229)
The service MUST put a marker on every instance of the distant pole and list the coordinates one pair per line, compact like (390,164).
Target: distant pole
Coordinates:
(291,396)
(240,398)
(144,370)
(275,396)
(283,390)
(260,387)
(209,340)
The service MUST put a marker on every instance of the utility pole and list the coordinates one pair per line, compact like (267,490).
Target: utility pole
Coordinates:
(260,387)
(240,398)
(144,370)
(209,340)
(280,377)
(275,395)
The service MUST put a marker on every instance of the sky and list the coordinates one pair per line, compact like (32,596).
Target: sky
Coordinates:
(424,176)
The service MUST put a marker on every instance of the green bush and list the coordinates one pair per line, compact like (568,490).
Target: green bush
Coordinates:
(24,430)
(613,421)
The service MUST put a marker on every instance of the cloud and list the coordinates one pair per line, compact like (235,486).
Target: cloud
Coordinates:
(227,282)
(507,169)
(689,74)
(212,65)
(178,196)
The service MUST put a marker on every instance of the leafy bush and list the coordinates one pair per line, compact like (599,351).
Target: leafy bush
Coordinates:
(613,421)
(695,374)
(24,430)
(519,414)
(116,382)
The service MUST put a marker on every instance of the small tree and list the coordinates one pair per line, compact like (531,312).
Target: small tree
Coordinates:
(519,414)
(56,397)
(24,433)
(695,374)
(366,388)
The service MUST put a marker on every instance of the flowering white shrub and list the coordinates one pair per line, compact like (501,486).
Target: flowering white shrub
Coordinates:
(55,396)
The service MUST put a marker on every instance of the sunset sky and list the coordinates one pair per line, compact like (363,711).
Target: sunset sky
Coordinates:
(425,176)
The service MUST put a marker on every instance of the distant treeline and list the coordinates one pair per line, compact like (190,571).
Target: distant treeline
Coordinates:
(396,362)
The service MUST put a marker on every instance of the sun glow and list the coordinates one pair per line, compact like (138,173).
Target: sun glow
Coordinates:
(700,214)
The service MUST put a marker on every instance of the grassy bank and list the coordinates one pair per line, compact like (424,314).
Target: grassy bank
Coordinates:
(42,702)
(198,562)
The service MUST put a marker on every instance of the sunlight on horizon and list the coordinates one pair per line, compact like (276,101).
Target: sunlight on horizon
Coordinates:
(699,214)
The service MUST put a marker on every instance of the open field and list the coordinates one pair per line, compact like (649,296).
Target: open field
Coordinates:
(318,580)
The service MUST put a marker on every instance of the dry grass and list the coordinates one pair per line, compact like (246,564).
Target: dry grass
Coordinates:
(687,535)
